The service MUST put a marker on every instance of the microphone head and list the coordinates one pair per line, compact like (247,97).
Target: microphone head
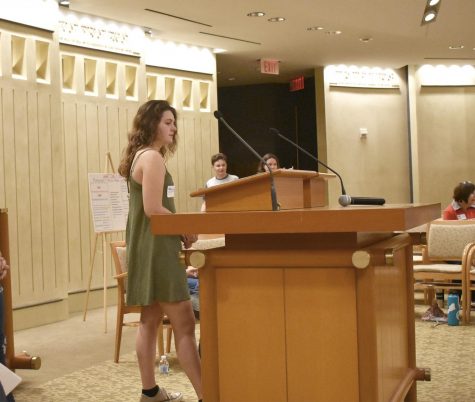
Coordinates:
(218,114)
(344,200)
(274,131)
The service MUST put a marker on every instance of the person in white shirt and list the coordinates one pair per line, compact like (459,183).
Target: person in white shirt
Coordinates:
(219,162)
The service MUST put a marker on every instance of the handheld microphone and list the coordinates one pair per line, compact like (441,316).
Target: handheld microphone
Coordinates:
(275,204)
(344,199)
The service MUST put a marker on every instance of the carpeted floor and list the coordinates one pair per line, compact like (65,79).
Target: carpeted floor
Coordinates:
(448,351)
(105,382)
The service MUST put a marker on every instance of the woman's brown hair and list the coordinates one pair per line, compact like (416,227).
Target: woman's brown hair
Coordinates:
(463,191)
(143,133)
(266,157)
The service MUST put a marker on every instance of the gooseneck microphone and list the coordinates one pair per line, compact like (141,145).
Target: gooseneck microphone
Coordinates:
(343,199)
(277,132)
(273,195)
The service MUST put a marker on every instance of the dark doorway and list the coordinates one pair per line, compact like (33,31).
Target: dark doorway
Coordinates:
(251,110)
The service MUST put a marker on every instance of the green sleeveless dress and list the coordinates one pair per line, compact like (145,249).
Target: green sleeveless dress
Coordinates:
(155,272)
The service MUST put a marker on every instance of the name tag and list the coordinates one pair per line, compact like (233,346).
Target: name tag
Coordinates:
(461,217)
(170,191)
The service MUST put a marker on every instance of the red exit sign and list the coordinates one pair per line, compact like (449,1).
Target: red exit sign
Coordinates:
(269,66)
(297,83)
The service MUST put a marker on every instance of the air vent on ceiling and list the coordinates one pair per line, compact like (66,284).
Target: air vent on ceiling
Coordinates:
(229,37)
(177,17)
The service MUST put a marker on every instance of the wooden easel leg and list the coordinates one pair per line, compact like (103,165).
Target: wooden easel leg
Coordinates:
(91,266)
(104,261)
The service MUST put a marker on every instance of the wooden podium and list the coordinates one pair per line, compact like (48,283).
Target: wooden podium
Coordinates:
(309,304)
(294,188)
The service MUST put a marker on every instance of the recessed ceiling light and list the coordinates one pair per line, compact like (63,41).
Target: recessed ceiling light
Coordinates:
(366,40)
(456,47)
(315,29)
(64,2)
(276,19)
(430,11)
(147,31)
(429,16)
(256,14)
(333,32)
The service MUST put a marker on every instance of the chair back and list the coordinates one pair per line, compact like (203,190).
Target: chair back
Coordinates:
(446,240)
(118,250)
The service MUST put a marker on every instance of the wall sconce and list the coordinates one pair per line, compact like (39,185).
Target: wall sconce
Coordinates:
(431,11)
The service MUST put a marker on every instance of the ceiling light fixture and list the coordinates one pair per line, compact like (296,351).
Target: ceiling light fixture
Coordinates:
(333,32)
(276,19)
(256,14)
(315,28)
(456,47)
(64,3)
(431,11)
(366,40)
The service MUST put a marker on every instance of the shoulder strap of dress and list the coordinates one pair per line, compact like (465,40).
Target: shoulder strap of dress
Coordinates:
(137,158)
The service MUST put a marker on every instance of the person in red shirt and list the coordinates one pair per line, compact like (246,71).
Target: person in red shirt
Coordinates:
(463,205)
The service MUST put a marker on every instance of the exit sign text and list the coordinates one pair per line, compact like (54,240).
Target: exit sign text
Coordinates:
(269,66)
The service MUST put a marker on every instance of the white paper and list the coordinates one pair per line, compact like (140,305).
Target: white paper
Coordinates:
(109,201)
(8,379)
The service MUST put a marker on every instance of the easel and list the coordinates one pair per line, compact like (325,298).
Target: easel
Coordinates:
(108,164)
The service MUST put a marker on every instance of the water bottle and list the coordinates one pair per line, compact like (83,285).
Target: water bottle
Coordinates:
(163,366)
(453,309)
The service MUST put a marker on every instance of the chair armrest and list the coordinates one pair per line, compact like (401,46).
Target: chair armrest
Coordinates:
(122,275)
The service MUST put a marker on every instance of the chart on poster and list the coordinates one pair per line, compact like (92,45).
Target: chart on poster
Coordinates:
(109,201)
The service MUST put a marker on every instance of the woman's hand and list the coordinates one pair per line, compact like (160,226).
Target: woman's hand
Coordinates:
(188,239)
(191,272)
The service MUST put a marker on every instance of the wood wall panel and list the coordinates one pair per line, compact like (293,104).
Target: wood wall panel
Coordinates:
(48,209)
(31,139)
(51,139)
(9,169)
(23,190)
(37,274)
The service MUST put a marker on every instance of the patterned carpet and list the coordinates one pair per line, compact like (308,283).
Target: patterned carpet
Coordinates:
(105,382)
(448,351)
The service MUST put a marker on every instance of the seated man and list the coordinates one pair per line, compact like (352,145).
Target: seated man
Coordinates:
(194,287)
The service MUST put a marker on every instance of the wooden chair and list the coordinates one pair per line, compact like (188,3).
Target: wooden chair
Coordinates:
(469,275)
(447,241)
(418,236)
(118,249)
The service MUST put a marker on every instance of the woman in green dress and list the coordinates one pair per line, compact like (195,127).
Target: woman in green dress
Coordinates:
(156,277)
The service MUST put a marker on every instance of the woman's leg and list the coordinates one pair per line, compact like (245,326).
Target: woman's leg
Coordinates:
(146,343)
(183,322)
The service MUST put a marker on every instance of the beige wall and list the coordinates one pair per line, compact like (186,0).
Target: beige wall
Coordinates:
(444,136)
(423,131)
(377,165)
(62,110)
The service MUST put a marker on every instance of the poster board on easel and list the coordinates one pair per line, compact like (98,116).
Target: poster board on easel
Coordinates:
(109,202)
